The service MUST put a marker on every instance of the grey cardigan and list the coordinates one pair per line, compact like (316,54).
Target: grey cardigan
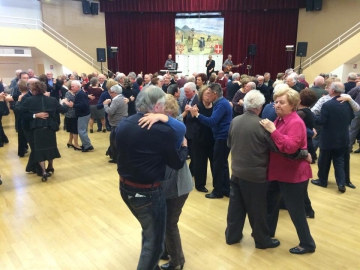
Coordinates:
(177,182)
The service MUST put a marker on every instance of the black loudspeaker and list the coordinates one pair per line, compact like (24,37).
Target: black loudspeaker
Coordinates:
(111,51)
(86,7)
(309,5)
(94,8)
(317,4)
(100,54)
(301,49)
(252,49)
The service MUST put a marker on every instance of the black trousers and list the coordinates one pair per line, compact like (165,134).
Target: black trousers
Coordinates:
(3,138)
(247,198)
(190,152)
(337,156)
(220,170)
(201,153)
(173,240)
(293,195)
(22,141)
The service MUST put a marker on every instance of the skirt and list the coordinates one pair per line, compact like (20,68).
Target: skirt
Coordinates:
(71,125)
(95,113)
(45,145)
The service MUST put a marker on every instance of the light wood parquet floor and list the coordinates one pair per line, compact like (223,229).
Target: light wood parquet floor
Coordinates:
(77,220)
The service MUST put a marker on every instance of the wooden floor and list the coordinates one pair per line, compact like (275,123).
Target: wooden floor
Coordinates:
(77,220)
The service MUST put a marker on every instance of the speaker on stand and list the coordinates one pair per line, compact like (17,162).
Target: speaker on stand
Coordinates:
(112,53)
(289,49)
(101,56)
(301,51)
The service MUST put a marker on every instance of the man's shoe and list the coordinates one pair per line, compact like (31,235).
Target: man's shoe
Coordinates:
(357,151)
(213,196)
(300,250)
(112,161)
(342,189)
(168,266)
(274,243)
(318,183)
(311,214)
(350,185)
(88,149)
(202,189)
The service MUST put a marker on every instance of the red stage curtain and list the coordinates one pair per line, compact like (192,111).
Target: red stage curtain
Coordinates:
(196,5)
(271,31)
(144,40)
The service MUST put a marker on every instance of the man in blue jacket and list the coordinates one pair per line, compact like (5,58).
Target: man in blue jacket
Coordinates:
(219,121)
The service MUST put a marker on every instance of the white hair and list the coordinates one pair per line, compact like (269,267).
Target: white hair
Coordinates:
(190,78)
(116,89)
(254,100)
(76,82)
(190,85)
(280,86)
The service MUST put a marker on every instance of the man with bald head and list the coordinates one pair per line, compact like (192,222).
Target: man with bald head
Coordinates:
(319,83)
(335,118)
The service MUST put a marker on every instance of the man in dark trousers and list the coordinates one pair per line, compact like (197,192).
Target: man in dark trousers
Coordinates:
(335,118)
(191,99)
(219,122)
(142,159)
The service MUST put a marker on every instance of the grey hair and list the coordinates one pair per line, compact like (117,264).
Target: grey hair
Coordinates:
(293,77)
(190,78)
(338,87)
(116,89)
(119,77)
(289,71)
(253,85)
(280,86)
(216,88)
(254,100)
(236,76)
(352,76)
(301,76)
(93,81)
(148,98)
(132,75)
(76,82)
(161,78)
(190,85)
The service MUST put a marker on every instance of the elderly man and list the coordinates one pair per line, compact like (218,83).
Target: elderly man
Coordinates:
(82,111)
(302,80)
(351,82)
(249,145)
(116,109)
(221,79)
(142,159)
(147,81)
(219,121)
(233,86)
(181,82)
(291,82)
(355,123)
(238,100)
(14,82)
(135,85)
(335,119)
(31,73)
(318,87)
(120,79)
(263,88)
(182,92)
(167,81)
(102,82)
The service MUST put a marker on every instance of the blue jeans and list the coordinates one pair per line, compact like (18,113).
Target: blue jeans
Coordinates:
(83,122)
(149,207)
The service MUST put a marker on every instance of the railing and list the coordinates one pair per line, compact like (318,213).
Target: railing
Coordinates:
(332,45)
(40,25)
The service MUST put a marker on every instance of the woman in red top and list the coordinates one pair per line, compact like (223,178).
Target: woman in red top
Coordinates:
(94,91)
(290,176)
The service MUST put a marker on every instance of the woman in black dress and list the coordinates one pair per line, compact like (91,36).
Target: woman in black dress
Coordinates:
(203,142)
(43,126)
(130,94)
(210,65)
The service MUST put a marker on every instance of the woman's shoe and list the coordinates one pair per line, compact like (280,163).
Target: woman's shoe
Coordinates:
(50,170)
(168,266)
(77,148)
(91,131)
(69,145)
(45,177)
(300,250)
(104,130)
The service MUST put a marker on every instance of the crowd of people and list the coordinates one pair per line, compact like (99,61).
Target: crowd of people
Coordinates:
(272,128)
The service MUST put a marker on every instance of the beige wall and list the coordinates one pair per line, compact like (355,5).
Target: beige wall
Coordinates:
(319,28)
(85,31)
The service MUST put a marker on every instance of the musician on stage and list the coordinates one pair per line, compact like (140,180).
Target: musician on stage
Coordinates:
(210,65)
(169,62)
(228,64)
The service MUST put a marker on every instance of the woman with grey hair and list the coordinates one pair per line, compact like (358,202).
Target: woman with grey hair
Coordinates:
(117,110)
(95,91)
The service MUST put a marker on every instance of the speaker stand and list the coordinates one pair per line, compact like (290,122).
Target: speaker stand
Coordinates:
(102,72)
(300,69)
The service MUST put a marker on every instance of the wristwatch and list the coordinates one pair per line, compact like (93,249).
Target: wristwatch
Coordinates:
(34,115)
(197,115)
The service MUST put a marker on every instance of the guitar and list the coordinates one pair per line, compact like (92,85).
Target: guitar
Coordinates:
(229,67)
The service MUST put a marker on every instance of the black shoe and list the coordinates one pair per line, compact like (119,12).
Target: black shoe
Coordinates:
(79,149)
(274,243)
(213,196)
(69,145)
(165,256)
(202,189)
(104,130)
(1,145)
(50,170)
(99,130)
(91,131)
(88,149)
(311,214)
(350,185)
(318,183)
(44,177)
(168,266)
(342,189)
(300,250)
(357,151)
(112,161)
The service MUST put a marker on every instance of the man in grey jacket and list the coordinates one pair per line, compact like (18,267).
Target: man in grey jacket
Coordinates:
(116,108)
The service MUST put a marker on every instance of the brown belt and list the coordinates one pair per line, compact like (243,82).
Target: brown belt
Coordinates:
(132,184)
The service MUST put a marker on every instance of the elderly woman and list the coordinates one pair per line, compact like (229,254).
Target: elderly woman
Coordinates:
(249,144)
(291,177)
(43,126)
(96,113)
(117,110)
(176,186)
(201,79)
(238,100)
